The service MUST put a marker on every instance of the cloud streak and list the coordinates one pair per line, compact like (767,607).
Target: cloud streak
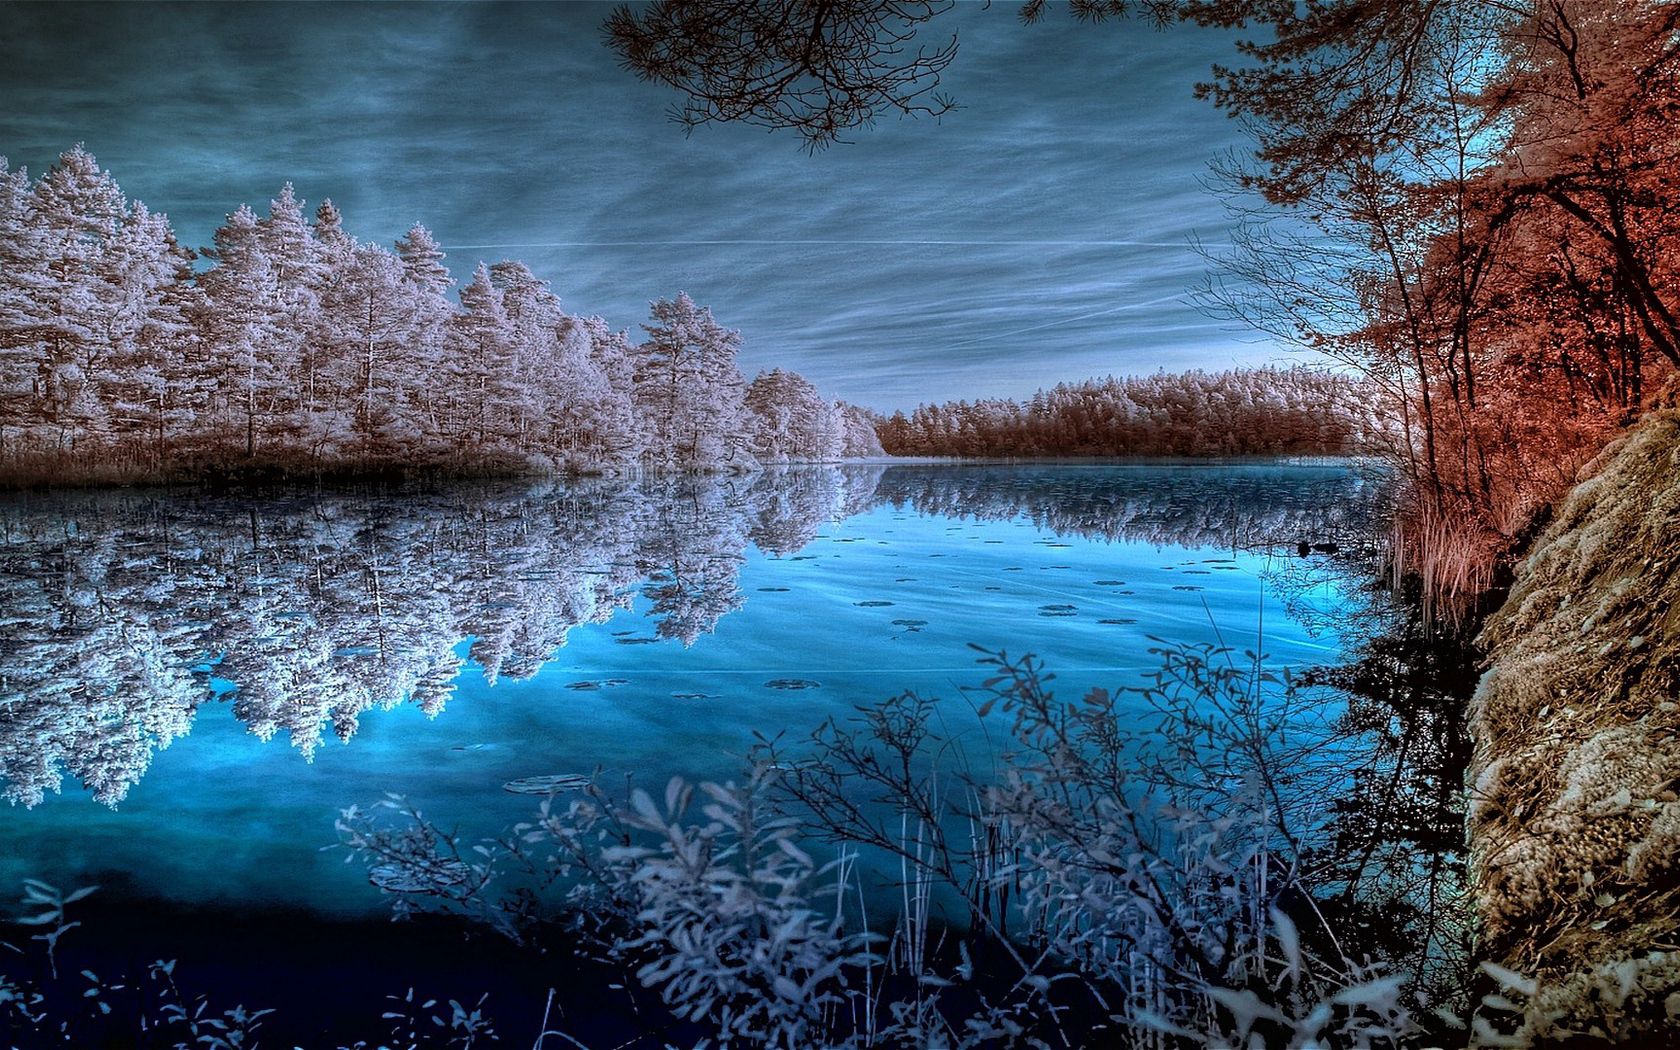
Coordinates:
(1043,232)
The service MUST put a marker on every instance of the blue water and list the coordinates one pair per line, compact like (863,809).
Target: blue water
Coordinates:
(227,673)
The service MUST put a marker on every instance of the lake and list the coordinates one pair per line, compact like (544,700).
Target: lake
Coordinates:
(193,684)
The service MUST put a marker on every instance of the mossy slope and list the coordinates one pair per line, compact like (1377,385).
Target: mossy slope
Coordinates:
(1574,822)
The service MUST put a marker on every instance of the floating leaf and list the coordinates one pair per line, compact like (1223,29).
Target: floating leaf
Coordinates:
(548,785)
(396,878)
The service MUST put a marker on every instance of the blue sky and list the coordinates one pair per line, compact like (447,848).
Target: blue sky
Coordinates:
(1042,232)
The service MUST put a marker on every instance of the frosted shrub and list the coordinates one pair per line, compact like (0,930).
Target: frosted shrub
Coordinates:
(44,1005)
(722,913)
(1140,866)
(1146,846)
(1160,855)
(726,916)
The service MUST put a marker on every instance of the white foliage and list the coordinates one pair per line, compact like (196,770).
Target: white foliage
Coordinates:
(304,349)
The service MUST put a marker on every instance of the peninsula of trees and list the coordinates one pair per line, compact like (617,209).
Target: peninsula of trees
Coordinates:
(302,349)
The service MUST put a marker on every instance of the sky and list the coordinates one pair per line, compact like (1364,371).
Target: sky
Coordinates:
(1042,232)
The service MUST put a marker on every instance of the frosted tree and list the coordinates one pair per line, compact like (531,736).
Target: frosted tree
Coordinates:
(152,383)
(241,321)
(299,347)
(789,421)
(538,373)
(688,389)
(422,261)
(23,311)
(300,275)
(428,278)
(289,242)
(615,425)
(482,346)
(77,209)
(858,439)
(572,413)
(369,314)
(330,233)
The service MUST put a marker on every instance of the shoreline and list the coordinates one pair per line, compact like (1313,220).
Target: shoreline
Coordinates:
(263,477)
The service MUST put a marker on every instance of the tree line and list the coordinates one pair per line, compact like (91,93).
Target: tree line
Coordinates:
(301,348)
(1237,412)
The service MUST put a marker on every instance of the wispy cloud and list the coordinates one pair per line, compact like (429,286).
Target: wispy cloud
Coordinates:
(1043,232)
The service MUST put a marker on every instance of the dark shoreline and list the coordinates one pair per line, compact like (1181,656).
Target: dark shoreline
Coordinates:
(263,478)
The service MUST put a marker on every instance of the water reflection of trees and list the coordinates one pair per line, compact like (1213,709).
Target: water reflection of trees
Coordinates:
(126,611)
(1394,848)
(1244,506)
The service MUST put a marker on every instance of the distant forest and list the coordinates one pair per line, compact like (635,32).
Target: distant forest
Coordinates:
(1239,412)
(301,349)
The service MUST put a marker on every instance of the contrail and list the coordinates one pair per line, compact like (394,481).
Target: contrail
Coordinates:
(829,243)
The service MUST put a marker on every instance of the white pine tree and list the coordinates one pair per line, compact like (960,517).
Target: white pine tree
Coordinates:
(371,311)
(77,209)
(24,314)
(789,421)
(422,261)
(149,386)
(423,269)
(240,320)
(689,390)
(860,432)
(482,345)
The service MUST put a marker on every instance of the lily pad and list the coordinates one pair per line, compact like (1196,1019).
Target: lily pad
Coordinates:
(549,785)
(395,878)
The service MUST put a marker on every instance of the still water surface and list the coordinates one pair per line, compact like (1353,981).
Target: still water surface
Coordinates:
(192,685)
